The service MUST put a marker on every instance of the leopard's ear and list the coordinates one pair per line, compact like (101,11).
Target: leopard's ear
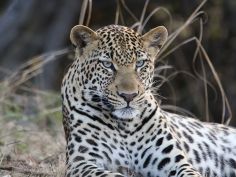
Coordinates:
(81,36)
(154,39)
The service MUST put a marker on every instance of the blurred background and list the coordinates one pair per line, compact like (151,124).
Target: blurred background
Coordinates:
(35,53)
(29,28)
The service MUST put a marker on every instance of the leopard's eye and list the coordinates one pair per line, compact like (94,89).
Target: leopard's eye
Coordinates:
(107,64)
(140,63)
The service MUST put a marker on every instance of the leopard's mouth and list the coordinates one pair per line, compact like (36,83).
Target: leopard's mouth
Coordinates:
(126,113)
(122,113)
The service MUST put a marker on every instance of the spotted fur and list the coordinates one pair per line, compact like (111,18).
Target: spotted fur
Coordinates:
(114,127)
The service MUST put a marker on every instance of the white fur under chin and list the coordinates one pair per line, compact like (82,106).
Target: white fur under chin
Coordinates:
(126,113)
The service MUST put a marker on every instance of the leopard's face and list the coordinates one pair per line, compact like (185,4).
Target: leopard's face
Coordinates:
(115,71)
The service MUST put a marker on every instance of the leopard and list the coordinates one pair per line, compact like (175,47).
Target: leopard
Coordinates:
(115,127)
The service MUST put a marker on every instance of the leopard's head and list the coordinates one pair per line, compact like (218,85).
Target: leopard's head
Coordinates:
(115,67)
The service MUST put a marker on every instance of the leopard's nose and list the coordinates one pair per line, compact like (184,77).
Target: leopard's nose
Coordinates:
(128,97)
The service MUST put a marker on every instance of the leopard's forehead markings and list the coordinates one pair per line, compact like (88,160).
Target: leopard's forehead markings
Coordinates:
(119,43)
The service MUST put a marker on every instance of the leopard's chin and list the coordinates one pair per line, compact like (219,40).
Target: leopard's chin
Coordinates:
(126,113)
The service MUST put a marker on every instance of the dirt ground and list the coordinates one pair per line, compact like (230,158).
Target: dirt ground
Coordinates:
(28,150)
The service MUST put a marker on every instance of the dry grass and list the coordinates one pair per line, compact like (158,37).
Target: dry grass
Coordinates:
(31,151)
(31,134)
